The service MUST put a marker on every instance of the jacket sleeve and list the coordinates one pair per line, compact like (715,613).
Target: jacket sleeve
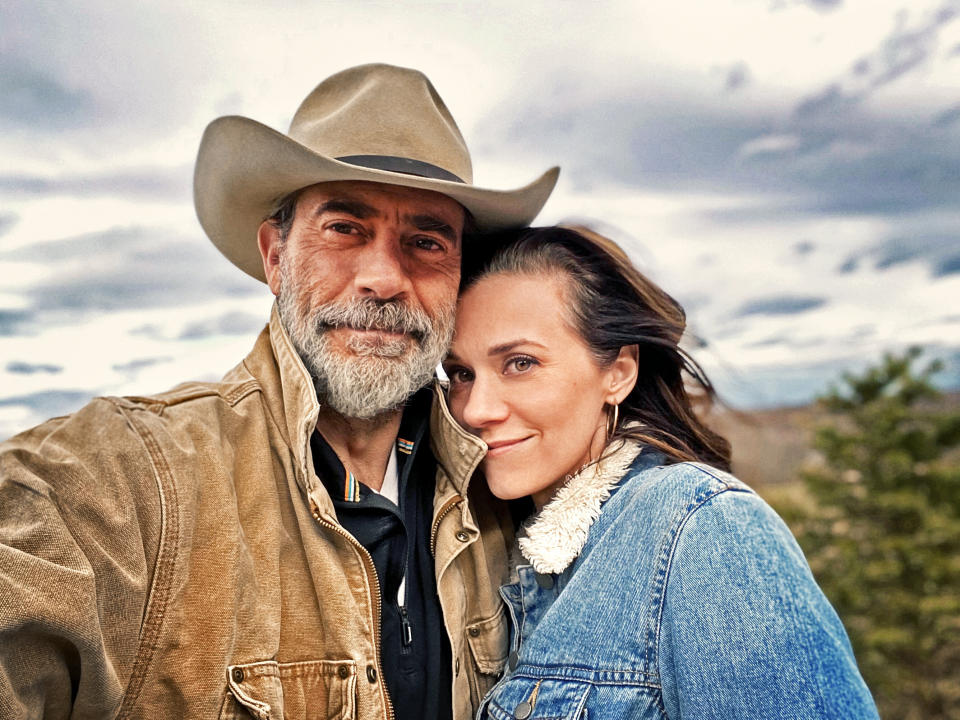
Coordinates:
(79,524)
(746,632)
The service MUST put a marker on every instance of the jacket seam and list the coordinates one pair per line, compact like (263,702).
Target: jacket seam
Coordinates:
(666,563)
(159,595)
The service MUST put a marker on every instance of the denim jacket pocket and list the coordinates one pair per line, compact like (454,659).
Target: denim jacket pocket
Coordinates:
(307,690)
(529,698)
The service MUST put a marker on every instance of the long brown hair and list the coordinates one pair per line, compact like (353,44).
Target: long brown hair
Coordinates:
(613,305)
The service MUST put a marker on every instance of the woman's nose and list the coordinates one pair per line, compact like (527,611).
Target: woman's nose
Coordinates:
(484,406)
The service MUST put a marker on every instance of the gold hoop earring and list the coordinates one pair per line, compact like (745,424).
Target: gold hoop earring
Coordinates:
(612,418)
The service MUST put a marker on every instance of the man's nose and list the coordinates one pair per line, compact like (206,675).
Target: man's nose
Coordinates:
(380,270)
(484,405)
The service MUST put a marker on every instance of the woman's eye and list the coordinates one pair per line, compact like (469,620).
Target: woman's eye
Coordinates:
(520,364)
(458,375)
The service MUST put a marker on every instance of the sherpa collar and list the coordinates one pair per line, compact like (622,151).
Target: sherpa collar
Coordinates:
(553,537)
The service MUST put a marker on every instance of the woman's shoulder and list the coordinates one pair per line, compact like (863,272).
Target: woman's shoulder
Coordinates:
(684,485)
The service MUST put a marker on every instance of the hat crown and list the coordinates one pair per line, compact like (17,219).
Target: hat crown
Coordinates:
(382,110)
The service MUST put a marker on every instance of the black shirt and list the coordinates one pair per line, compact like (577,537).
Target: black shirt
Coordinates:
(415,650)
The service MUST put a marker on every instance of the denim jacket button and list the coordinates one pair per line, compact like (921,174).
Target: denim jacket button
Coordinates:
(343,671)
(371,673)
(512,661)
(462,535)
(523,711)
(545,581)
(237,675)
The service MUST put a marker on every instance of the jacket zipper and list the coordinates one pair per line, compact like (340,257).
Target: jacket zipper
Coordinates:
(447,507)
(372,571)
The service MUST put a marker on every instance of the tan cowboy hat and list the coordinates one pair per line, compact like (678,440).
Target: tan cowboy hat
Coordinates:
(373,122)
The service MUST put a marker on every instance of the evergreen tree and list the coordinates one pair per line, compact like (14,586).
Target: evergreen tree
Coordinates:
(883,533)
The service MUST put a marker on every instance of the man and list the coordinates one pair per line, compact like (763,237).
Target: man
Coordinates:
(282,543)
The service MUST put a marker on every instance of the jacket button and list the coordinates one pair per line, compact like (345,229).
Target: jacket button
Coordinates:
(523,711)
(343,671)
(512,661)
(462,535)
(456,668)
(371,673)
(474,632)
(545,581)
(237,675)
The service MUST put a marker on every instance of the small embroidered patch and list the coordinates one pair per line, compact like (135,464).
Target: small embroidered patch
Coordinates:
(405,446)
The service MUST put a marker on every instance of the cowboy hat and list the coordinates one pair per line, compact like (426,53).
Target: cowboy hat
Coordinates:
(377,123)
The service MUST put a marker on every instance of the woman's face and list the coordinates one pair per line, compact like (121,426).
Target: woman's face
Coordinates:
(524,382)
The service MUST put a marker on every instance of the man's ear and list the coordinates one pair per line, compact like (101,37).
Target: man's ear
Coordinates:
(622,374)
(270,244)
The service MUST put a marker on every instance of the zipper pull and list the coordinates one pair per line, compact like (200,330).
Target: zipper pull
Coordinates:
(406,629)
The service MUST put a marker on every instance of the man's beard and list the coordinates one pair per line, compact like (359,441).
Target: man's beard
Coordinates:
(377,375)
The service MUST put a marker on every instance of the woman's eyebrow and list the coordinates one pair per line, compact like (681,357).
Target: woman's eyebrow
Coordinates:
(511,345)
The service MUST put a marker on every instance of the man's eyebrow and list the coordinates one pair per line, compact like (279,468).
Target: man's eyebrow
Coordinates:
(430,223)
(356,208)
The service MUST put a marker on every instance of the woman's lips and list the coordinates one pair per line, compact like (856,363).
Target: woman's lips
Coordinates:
(497,448)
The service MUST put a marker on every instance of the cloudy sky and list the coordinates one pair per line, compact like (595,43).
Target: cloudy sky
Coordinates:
(788,169)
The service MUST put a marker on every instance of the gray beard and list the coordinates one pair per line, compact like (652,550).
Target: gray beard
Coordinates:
(378,376)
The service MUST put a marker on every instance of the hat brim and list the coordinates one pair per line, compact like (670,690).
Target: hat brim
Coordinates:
(244,167)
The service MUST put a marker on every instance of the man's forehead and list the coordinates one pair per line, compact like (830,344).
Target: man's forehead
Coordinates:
(380,198)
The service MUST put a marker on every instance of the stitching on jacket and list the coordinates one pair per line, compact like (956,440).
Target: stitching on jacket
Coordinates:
(163,574)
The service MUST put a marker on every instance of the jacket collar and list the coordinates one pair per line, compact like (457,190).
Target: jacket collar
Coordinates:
(290,396)
(456,450)
(553,537)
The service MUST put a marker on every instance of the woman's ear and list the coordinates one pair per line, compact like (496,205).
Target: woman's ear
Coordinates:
(622,374)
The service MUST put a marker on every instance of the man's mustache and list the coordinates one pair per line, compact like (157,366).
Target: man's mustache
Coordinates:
(369,314)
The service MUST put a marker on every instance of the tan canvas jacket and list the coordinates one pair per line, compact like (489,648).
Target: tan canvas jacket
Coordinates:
(176,556)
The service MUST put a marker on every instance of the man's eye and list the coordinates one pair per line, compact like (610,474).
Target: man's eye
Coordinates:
(343,228)
(426,243)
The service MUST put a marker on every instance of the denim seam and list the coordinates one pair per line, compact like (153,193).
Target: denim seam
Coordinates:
(542,672)
(157,599)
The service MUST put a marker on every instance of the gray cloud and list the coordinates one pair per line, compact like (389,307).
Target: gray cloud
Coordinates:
(937,251)
(736,77)
(232,323)
(153,183)
(49,402)
(905,49)
(136,365)
(17,322)
(7,221)
(123,269)
(781,305)
(34,99)
(948,117)
(804,247)
(24,368)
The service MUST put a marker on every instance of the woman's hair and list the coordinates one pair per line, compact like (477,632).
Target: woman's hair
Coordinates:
(612,305)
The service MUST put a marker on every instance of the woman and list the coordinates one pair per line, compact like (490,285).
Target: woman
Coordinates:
(652,583)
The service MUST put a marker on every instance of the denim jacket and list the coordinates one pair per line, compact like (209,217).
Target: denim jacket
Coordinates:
(669,591)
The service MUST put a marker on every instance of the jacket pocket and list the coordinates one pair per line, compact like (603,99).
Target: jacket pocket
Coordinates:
(488,641)
(539,699)
(307,690)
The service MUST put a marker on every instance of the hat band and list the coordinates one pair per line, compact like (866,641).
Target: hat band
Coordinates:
(403,165)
